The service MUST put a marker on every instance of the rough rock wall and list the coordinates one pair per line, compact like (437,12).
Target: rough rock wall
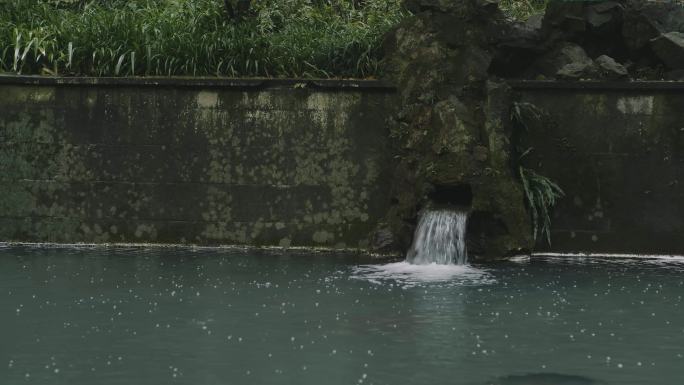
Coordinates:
(451,133)
(626,39)
(450,62)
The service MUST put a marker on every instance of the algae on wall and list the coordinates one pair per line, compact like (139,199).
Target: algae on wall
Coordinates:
(278,166)
(617,154)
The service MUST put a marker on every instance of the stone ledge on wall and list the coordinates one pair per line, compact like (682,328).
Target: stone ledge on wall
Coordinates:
(206,83)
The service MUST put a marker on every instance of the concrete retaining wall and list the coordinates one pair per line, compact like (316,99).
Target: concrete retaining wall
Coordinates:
(284,163)
(308,163)
(617,149)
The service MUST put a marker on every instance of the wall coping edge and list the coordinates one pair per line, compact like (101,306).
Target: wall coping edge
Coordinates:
(202,82)
(595,85)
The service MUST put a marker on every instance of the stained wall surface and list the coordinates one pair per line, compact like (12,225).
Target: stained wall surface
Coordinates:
(309,163)
(617,149)
(246,163)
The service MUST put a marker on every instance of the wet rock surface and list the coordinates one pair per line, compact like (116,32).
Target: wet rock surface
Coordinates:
(610,69)
(643,38)
(450,63)
(569,60)
(669,47)
(451,130)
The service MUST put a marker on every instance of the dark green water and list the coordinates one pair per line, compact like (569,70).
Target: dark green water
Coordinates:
(76,317)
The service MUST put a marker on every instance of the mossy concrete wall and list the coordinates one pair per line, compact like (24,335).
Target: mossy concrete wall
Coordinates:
(310,163)
(283,163)
(617,149)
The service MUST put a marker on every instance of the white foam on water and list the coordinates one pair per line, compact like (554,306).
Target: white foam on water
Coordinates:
(407,274)
(671,257)
(672,261)
(520,259)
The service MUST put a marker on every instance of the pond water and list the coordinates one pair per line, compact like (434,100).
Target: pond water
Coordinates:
(172,316)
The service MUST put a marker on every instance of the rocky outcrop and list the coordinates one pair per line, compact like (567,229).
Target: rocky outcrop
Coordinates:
(641,37)
(568,60)
(608,68)
(670,49)
(451,133)
(644,21)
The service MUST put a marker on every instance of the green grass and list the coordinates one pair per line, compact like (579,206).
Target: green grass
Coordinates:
(541,194)
(280,38)
(522,9)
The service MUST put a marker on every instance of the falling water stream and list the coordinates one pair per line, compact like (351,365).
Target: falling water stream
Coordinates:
(439,238)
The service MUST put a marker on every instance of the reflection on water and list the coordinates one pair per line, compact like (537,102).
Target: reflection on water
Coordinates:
(545,379)
(174,316)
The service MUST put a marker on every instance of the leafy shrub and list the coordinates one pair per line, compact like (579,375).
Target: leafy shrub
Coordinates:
(541,193)
(522,9)
(281,38)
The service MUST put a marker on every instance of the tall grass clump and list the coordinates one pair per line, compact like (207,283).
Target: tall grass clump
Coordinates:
(523,9)
(278,38)
(541,193)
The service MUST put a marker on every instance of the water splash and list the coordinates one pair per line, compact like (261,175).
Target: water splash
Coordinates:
(404,274)
(438,255)
(439,238)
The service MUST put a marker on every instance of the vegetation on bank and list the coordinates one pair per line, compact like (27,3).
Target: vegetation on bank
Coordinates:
(522,9)
(273,38)
(541,193)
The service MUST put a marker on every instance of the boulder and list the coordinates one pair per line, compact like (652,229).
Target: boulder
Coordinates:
(567,17)
(669,47)
(677,75)
(567,60)
(576,71)
(597,20)
(571,53)
(601,15)
(621,29)
(604,30)
(644,21)
(517,47)
(664,16)
(608,68)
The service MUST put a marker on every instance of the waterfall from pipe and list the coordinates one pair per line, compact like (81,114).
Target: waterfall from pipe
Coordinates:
(439,238)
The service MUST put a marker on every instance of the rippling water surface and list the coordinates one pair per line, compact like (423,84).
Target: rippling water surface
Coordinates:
(115,316)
